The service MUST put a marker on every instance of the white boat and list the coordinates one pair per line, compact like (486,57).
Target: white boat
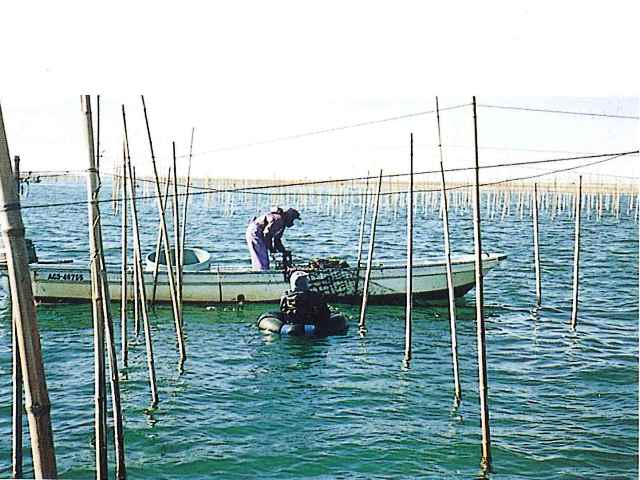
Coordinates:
(222,284)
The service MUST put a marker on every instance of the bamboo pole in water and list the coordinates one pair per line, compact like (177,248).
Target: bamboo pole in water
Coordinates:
(123,274)
(36,396)
(480,327)
(167,247)
(156,265)
(137,258)
(372,239)
(17,405)
(17,413)
(118,430)
(536,246)
(176,230)
(365,202)
(447,251)
(103,293)
(184,213)
(409,288)
(100,401)
(136,287)
(576,256)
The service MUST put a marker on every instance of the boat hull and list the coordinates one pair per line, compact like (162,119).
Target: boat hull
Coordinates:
(68,283)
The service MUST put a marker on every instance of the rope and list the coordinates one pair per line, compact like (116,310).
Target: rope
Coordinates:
(611,156)
(323,131)
(565,112)
(387,176)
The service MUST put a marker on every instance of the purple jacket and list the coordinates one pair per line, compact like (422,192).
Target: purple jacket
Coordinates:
(272,226)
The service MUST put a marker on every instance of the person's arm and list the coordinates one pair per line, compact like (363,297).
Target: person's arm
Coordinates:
(273,233)
(269,242)
(278,246)
(268,232)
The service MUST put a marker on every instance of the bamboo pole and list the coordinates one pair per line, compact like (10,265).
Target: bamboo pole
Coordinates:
(184,213)
(450,288)
(17,412)
(123,274)
(576,256)
(482,352)
(100,401)
(17,405)
(156,266)
(409,288)
(102,289)
(36,396)
(167,247)
(116,406)
(536,246)
(176,230)
(365,202)
(138,272)
(136,287)
(372,239)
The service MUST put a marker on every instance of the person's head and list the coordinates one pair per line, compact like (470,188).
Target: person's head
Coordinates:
(299,281)
(277,210)
(290,215)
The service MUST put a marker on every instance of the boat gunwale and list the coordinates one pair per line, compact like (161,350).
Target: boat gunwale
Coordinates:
(234,270)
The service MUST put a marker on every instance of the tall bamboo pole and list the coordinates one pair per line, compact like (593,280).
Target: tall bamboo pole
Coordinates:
(372,240)
(409,306)
(450,288)
(576,256)
(124,273)
(100,401)
(177,250)
(136,287)
(156,265)
(136,299)
(17,404)
(536,246)
(103,298)
(137,257)
(36,395)
(365,202)
(114,379)
(17,412)
(103,288)
(480,330)
(184,213)
(167,247)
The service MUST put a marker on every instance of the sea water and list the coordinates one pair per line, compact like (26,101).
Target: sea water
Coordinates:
(563,403)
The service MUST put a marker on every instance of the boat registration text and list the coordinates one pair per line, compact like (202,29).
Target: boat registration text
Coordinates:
(68,277)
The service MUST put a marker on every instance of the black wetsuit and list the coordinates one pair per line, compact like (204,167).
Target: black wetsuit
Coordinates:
(307,308)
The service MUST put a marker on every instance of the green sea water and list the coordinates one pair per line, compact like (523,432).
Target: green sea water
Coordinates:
(563,403)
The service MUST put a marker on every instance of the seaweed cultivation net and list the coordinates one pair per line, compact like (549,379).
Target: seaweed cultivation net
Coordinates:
(332,277)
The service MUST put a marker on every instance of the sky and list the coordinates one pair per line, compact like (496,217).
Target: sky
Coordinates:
(245,74)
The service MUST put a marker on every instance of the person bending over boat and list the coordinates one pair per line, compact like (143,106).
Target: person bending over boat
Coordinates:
(264,235)
(302,306)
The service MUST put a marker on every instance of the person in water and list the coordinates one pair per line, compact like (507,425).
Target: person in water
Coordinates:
(264,235)
(299,305)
